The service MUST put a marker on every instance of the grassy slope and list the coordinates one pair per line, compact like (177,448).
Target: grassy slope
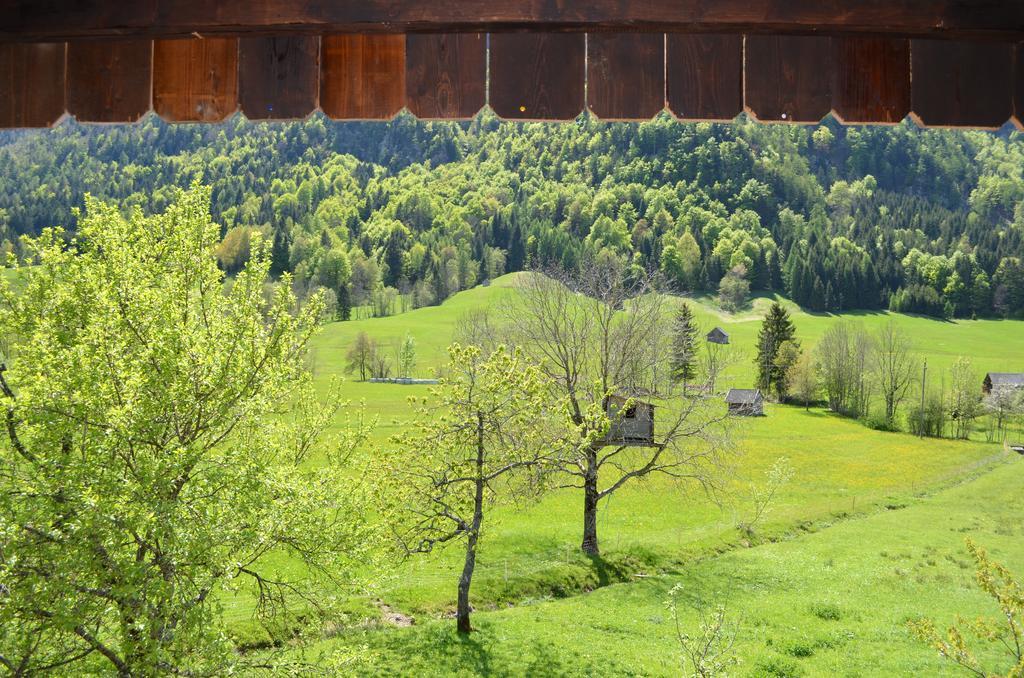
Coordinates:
(841,467)
(830,603)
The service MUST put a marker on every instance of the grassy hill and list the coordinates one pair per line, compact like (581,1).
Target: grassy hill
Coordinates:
(835,602)
(849,481)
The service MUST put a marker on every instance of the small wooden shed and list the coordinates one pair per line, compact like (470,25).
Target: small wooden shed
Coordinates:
(718,336)
(745,402)
(632,421)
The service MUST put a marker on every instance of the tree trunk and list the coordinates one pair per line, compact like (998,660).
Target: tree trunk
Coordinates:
(462,610)
(590,497)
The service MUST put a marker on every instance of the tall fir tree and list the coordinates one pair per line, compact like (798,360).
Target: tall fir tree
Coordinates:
(344,302)
(683,361)
(279,251)
(776,329)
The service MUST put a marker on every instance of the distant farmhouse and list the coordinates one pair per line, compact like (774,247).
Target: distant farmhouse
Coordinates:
(633,425)
(718,336)
(745,402)
(1002,381)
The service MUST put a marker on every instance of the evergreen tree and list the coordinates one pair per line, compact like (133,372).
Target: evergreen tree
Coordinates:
(344,303)
(684,345)
(776,329)
(279,251)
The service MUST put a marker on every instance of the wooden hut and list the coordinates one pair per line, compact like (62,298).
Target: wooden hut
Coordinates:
(745,402)
(632,421)
(717,336)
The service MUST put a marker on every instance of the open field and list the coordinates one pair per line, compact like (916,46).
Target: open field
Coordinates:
(849,482)
(830,603)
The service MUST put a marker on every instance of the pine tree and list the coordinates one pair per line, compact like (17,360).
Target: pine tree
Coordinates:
(344,302)
(279,251)
(776,329)
(684,345)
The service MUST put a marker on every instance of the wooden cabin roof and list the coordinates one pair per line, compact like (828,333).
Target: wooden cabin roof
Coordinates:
(744,396)
(946,63)
(1005,379)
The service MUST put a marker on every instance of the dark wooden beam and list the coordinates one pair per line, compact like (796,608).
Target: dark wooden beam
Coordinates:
(788,78)
(32,84)
(626,75)
(42,20)
(278,78)
(362,77)
(446,75)
(872,80)
(195,79)
(537,76)
(705,76)
(961,84)
(109,81)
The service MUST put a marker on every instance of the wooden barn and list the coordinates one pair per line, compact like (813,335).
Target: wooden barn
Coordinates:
(632,421)
(942,63)
(745,402)
(717,336)
(1002,381)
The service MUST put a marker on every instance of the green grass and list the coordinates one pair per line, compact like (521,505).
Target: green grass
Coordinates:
(831,603)
(532,584)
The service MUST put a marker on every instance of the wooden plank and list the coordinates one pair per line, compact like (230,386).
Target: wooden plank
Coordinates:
(31,84)
(278,77)
(1018,86)
(445,75)
(362,77)
(35,20)
(626,75)
(961,84)
(788,78)
(872,80)
(195,79)
(109,81)
(537,76)
(705,76)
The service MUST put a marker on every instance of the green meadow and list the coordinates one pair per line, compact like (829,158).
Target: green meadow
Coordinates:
(867,534)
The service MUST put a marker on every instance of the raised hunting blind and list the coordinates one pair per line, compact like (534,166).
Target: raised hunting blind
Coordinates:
(945,63)
(631,421)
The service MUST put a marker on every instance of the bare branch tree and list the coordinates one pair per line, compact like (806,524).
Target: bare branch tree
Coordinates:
(599,333)
(894,367)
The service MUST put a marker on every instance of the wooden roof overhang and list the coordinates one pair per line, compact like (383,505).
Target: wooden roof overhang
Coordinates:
(947,63)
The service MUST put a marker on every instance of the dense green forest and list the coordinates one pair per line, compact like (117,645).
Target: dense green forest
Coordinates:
(836,218)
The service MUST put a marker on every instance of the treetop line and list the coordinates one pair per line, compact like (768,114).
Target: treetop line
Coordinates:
(968,73)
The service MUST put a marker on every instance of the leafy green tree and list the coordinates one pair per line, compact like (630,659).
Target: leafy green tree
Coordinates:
(479,444)
(407,356)
(776,329)
(156,426)
(803,379)
(787,356)
(683,359)
(1006,633)
(734,288)
(360,356)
